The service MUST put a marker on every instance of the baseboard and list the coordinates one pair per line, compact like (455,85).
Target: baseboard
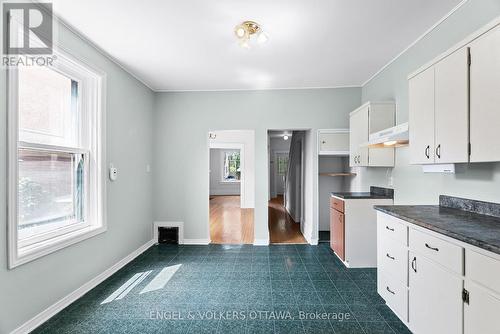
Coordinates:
(196,241)
(261,242)
(314,242)
(65,301)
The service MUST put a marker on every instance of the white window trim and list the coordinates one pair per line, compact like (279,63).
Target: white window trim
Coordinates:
(96,80)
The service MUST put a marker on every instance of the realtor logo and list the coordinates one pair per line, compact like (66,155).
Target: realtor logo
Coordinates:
(27,28)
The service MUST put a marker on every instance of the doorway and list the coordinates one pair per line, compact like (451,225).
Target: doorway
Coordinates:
(231,212)
(286,177)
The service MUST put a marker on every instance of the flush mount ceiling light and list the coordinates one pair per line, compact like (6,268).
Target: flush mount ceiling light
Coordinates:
(248,32)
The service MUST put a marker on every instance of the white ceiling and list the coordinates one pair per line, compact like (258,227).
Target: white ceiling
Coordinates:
(190,44)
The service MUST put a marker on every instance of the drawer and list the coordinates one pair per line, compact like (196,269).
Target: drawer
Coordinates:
(392,227)
(394,294)
(337,204)
(438,250)
(483,269)
(392,260)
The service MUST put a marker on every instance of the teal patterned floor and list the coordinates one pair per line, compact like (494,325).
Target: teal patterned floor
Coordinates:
(231,289)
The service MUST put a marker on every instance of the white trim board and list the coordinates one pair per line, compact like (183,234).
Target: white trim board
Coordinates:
(55,308)
(196,241)
(261,242)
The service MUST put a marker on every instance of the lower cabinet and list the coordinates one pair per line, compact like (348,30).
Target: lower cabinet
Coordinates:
(337,228)
(435,303)
(452,287)
(481,311)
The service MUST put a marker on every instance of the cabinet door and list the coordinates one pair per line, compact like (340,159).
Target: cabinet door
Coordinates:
(359,135)
(435,303)
(334,142)
(337,233)
(452,108)
(421,98)
(485,97)
(481,314)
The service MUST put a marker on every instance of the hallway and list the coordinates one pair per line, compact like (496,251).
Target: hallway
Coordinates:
(282,228)
(229,224)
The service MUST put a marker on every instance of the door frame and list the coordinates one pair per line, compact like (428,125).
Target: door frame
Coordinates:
(231,146)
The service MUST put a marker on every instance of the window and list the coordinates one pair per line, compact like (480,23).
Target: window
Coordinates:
(55,157)
(282,164)
(231,170)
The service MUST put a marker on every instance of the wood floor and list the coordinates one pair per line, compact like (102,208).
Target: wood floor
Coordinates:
(229,224)
(282,228)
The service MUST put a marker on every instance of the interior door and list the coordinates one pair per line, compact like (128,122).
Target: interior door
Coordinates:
(485,97)
(435,303)
(280,172)
(337,233)
(452,108)
(421,95)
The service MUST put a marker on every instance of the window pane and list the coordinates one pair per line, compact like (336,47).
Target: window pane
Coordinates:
(51,188)
(47,107)
(232,170)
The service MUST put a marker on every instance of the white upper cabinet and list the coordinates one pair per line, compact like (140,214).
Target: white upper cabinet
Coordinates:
(439,111)
(421,96)
(333,142)
(452,108)
(367,119)
(485,97)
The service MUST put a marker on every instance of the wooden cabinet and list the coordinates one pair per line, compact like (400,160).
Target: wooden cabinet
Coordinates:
(333,142)
(452,287)
(481,312)
(434,299)
(421,95)
(358,125)
(439,112)
(485,97)
(337,240)
(452,108)
(370,118)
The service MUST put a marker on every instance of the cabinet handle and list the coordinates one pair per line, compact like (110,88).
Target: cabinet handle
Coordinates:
(390,290)
(427,149)
(390,257)
(430,247)
(390,229)
(438,151)
(414,264)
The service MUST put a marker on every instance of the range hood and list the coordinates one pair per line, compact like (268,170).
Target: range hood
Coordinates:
(393,137)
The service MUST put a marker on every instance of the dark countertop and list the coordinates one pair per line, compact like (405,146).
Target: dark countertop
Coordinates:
(375,193)
(473,228)
(360,195)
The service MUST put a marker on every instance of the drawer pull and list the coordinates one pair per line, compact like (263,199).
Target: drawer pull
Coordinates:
(390,290)
(390,229)
(414,264)
(390,257)
(433,248)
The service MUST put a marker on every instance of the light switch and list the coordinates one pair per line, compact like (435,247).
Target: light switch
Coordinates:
(113,173)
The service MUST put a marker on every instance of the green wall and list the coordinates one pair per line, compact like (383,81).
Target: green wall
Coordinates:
(181,125)
(479,181)
(30,288)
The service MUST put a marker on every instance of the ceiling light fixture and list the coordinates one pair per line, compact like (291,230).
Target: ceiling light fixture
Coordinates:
(249,31)
(285,137)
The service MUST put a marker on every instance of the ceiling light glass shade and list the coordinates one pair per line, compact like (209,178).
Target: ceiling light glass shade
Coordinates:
(262,38)
(285,137)
(249,33)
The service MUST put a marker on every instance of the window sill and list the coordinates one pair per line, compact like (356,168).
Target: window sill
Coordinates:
(37,250)
(227,181)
